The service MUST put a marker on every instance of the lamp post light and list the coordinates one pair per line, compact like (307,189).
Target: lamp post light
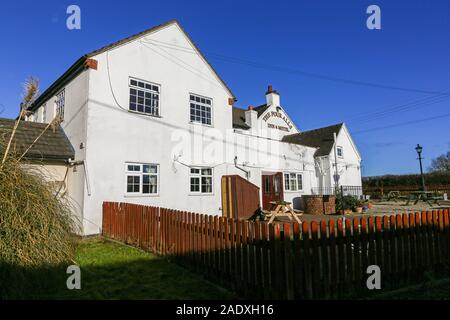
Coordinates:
(419,152)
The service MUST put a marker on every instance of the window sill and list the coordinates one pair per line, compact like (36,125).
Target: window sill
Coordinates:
(141,195)
(298,191)
(201,124)
(200,194)
(144,114)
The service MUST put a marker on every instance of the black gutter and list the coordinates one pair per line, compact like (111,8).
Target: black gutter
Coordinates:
(68,76)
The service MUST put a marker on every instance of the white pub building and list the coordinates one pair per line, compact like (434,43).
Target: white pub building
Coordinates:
(152,123)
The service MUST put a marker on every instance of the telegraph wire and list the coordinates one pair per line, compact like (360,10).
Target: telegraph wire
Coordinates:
(295,71)
(402,124)
(362,117)
(402,107)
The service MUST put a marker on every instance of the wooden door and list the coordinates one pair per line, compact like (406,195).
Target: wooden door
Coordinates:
(272,189)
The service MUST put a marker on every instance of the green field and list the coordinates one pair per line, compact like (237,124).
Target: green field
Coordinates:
(114,271)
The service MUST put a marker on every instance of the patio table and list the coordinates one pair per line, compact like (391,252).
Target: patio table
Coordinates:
(425,196)
(283,209)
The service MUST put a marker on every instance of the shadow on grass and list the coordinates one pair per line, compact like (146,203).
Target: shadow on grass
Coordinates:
(109,271)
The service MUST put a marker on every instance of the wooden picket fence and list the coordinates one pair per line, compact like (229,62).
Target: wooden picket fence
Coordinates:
(326,259)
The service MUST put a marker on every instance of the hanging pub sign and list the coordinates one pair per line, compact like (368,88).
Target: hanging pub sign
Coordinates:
(277,115)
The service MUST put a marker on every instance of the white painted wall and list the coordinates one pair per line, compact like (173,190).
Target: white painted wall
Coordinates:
(349,166)
(74,126)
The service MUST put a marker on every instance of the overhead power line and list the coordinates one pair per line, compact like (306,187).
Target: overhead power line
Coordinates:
(436,97)
(292,71)
(402,124)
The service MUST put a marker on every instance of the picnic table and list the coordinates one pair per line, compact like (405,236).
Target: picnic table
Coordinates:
(395,195)
(425,196)
(283,209)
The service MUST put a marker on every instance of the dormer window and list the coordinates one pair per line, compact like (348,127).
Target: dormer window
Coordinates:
(144,97)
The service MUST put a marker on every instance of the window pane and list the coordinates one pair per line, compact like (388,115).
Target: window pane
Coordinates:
(195,171)
(276,184)
(286,182)
(293,184)
(207,172)
(195,184)
(266,184)
(133,184)
(206,184)
(299,182)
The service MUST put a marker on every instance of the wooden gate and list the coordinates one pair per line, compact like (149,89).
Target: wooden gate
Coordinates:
(240,198)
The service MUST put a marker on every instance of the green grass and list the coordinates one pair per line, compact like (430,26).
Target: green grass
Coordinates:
(110,270)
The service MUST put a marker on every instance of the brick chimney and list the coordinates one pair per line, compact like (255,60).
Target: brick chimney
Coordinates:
(272,97)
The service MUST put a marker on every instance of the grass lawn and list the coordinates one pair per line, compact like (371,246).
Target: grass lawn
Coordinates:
(110,270)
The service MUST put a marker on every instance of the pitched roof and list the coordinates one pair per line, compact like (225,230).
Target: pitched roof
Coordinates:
(80,64)
(53,145)
(239,116)
(321,138)
(260,109)
(239,119)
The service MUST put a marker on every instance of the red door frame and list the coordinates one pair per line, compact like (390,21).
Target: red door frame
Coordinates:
(272,189)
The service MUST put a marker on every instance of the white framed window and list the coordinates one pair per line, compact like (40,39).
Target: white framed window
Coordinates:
(141,178)
(201,180)
(60,102)
(340,152)
(201,109)
(144,97)
(44,113)
(293,181)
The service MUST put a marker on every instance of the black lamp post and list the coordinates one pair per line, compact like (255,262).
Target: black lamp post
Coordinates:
(419,152)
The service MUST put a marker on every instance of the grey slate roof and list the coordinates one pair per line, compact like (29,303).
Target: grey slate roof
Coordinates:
(321,138)
(239,119)
(53,145)
(239,116)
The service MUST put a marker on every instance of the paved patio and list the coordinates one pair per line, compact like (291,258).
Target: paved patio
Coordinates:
(380,208)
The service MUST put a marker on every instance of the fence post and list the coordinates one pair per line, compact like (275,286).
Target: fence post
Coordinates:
(324,243)
(388,253)
(288,267)
(333,259)
(350,256)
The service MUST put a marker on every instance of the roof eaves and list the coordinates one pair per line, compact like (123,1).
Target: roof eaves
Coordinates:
(65,78)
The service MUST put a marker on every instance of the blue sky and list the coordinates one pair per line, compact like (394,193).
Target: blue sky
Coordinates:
(328,38)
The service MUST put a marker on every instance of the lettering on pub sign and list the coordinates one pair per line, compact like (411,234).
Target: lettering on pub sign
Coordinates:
(277,115)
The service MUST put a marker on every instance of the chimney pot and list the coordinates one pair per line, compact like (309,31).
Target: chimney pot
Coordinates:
(269,88)
(250,108)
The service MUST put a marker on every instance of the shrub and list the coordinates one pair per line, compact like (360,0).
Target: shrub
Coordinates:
(346,202)
(36,231)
